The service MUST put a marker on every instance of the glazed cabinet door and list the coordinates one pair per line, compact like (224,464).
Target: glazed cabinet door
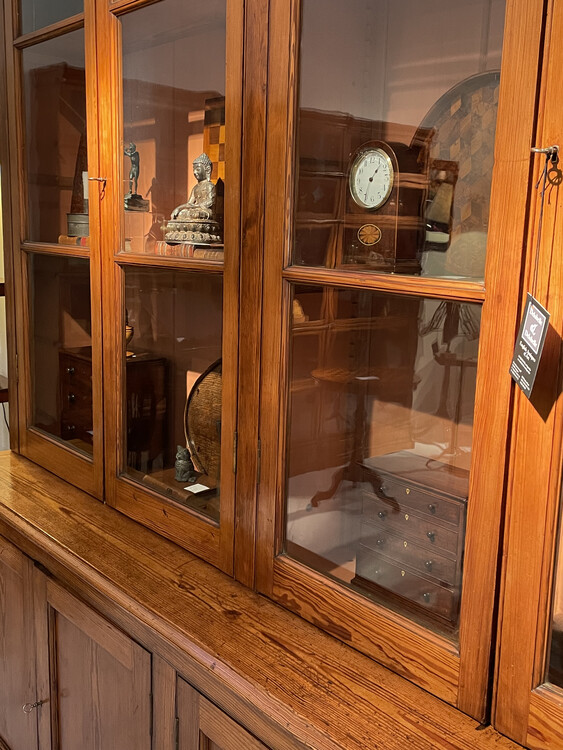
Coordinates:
(529,676)
(18,691)
(203,726)
(398,162)
(51,158)
(98,680)
(170,106)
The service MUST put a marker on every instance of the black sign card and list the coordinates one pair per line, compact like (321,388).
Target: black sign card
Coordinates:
(529,345)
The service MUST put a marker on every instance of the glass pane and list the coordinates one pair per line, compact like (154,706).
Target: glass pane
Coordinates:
(35,14)
(173,115)
(381,404)
(55,141)
(396,126)
(61,348)
(173,384)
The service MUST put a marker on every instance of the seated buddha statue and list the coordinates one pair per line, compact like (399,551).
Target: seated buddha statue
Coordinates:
(195,221)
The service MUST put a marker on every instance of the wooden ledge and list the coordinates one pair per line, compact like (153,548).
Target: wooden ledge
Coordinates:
(288,683)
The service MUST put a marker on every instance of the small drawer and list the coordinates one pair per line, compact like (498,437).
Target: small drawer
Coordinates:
(427,594)
(401,520)
(74,399)
(437,506)
(405,552)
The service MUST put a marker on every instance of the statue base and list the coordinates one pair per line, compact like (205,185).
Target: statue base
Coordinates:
(135,202)
(206,232)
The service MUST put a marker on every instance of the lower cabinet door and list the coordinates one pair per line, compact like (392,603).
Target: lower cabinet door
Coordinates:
(203,726)
(18,727)
(100,678)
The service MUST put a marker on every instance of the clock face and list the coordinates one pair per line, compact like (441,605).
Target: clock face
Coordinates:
(371,178)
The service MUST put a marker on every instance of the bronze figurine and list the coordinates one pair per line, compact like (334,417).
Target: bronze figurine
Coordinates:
(133,201)
(195,221)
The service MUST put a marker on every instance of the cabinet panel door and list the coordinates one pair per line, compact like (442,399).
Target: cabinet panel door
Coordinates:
(17,653)
(388,322)
(170,267)
(202,726)
(101,680)
(52,160)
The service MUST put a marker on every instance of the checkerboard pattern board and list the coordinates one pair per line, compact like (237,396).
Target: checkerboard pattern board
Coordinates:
(214,136)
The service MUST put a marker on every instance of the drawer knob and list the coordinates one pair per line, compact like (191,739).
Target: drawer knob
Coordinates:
(70,427)
(70,370)
(382,514)
(380,542)
(431,535)
(71,398)
(428,565)
(407,491)
(426,597)
(432,508)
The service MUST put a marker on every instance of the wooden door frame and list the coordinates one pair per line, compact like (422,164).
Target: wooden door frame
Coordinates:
(459,675)
(527,708)
(6,159)
(51,453)
(211,541)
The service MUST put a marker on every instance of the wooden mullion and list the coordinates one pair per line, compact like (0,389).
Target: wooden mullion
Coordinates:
(284,20)
(50,32)
(465,291)
(122,6)
(110,93)
(231,276)
(91,52)
(57,250)
(178,264)
(251,275)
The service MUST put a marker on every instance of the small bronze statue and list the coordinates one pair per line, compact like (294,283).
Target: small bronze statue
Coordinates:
(195,221)
(185,469)
(134,201)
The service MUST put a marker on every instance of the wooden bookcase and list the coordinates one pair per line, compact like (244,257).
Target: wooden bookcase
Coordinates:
(369,454)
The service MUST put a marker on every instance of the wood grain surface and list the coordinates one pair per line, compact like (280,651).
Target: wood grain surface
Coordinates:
(461,678)
(17,653)
(525,707)
(287,682)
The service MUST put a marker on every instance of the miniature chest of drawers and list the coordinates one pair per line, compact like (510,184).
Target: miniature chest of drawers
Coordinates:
(412,532)
(146,386)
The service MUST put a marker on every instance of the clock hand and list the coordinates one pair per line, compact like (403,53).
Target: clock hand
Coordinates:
(373,175)
(371,180)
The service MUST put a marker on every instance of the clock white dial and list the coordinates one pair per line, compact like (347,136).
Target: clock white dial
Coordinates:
(371,178)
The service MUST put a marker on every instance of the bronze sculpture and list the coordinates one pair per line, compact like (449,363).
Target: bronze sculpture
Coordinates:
(195,221)
(134,201)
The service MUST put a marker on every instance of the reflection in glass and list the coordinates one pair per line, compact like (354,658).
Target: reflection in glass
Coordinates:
(173,384)
(419,82)
(36,14)
(173,112)
(55,141)
(379,448)
(61,348)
